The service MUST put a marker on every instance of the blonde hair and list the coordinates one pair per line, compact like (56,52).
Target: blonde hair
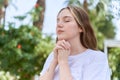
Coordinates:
(87,37)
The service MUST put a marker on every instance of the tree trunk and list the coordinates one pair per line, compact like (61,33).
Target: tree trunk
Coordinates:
(85,5)
(39,23)
(1,14)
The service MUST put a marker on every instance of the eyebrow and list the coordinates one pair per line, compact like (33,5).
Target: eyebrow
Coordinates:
(65,17)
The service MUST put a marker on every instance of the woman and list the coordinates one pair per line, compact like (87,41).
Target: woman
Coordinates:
(75,56)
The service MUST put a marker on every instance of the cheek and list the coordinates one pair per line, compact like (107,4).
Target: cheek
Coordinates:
(73,28)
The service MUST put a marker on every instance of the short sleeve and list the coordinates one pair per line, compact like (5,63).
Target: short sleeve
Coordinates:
(47,63)
(98,69)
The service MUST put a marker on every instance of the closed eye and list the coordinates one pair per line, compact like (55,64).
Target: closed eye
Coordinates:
(67,21)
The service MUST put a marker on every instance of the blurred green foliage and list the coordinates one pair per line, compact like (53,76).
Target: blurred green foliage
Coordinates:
(23,50)
(114,61)
(35,13)
(1,3)
(7,76)
(102,23)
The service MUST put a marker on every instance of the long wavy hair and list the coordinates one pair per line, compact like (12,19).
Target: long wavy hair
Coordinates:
(87,37)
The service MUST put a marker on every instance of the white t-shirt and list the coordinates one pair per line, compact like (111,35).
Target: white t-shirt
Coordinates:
(89,65)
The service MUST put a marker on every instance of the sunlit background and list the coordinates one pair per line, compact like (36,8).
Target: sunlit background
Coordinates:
(21,7)
(27,34)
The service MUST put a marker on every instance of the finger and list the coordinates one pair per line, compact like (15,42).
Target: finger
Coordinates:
(63,45)
(66,43)
(59,47)
(60,43)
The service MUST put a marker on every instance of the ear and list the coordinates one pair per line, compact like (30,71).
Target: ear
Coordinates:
(80,30)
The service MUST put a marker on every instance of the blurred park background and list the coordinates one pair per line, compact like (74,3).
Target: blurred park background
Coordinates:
(27,34)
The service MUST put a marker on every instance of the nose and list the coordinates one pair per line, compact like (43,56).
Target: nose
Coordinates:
(59,24)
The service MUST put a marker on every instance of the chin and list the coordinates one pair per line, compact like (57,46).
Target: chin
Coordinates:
(62,38)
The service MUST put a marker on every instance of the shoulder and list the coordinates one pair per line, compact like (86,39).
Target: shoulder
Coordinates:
(97,65)
(96,56)
(50,56)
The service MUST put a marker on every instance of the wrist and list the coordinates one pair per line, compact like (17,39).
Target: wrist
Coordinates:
(55,61)
(63,62)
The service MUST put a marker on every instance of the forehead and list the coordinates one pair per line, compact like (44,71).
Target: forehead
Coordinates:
(64,13)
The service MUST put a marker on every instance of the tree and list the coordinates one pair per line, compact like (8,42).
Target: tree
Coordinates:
(40,8)
(1,14)
(20,48)
(23,51)
(114,62)
(3,4)
(1,11)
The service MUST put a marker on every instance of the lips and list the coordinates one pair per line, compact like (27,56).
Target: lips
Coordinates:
(59,31)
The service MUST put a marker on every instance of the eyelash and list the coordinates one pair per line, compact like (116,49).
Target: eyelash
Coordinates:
(64,21)
(67,20)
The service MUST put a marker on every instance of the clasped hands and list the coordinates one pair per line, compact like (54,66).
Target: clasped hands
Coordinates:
(62,51)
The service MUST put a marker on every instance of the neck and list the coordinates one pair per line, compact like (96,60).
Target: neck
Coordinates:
(76,47)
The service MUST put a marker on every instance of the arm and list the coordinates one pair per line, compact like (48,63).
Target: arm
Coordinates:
(49,74)
(64,69)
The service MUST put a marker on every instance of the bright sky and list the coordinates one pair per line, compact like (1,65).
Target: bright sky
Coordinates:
(23,6)
(19,8)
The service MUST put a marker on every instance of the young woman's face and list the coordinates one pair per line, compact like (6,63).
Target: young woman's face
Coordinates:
(67,27)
